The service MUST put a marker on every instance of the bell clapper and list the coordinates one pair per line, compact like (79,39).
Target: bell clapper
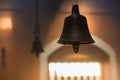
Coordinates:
(75,47)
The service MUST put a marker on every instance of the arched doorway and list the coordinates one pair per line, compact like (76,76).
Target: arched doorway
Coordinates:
(53,46)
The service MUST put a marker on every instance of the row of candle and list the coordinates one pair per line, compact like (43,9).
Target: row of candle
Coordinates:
(74,71)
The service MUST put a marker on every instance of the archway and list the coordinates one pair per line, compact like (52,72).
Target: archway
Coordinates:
(53,46)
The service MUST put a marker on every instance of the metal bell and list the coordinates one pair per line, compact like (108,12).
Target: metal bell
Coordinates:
(37,47)
(75,31)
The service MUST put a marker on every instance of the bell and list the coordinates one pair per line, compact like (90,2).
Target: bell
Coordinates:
(37,47)
(75,31)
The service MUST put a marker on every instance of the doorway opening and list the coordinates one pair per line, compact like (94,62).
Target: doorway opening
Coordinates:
(100,44)
(74,71)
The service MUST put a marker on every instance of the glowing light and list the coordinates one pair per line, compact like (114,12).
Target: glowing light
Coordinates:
(52,69)
(75,69)
(5,23)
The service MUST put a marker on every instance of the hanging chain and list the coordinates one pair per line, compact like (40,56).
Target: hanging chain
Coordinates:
(74,2)
(37,27)
(36,11)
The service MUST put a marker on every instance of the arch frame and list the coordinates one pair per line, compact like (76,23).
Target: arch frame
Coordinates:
(101,44)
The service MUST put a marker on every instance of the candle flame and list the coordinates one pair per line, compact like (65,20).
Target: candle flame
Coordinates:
(75,69)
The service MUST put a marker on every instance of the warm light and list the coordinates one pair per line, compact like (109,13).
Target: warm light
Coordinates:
(5,23)
(52,69)
(75,69)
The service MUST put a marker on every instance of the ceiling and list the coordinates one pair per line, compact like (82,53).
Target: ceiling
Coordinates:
(15,5)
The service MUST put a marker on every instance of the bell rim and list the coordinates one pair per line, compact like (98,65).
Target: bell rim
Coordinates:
(78,42)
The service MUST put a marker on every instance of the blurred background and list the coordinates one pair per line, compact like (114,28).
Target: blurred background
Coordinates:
(17,22)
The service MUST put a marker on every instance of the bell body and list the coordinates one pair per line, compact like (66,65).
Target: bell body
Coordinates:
(37,47)
(75,30)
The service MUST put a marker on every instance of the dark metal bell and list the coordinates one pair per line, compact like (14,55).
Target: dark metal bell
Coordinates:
(75,30)
(37,47)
